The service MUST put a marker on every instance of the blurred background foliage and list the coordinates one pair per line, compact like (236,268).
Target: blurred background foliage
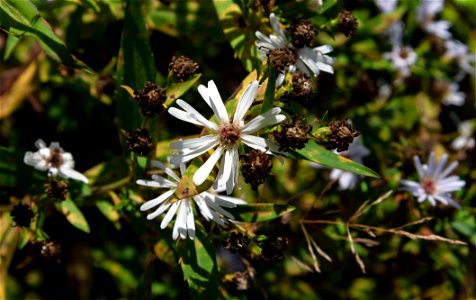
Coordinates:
(60,78)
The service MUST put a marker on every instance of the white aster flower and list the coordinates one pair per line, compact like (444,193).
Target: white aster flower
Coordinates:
(452,96)
(426,12)
(386,6)
(210,205)
(465,140)
(402,59)
(434,184)
(308,60)
(54,160)
(460,52)
(227,134)
(348,180)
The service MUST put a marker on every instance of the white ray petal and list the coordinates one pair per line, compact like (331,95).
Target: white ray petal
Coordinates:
(157,201)
(246,99)
(202,173)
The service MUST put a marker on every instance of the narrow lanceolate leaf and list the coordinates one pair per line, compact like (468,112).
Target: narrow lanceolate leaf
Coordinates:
(177,89)
(241,37)
(260,212)
(136,64)
(72,213)
(23,18)
(269,93)
(315,153)
(199,266)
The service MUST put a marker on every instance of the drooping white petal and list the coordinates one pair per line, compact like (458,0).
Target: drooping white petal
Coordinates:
(157,201)
(170,214)
(157,182)
(202,173)
(198,116)
(73,174)
(183,115)
(262,121)
(246,99)
(158,211)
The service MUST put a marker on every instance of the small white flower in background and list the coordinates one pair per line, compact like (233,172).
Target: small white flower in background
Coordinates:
(460,52)
(227,134)
(355,152)
(402,59)
(465,140)
(386,6)
(210,205)
(452,96)
(434,184)
(348,180)
(308,60)
(425,15)
(54,160)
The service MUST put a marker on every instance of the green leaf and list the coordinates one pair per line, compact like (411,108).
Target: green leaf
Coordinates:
(110,212)
(315,153)
(269,93)
(327,4)
(136,64)
(23,18)
(199,266)
(260,212)
(7,167)
(177,89)
(72,213)
(241,37)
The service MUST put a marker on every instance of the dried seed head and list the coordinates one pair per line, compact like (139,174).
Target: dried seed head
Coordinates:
(139,141)
(281,58)
(347,23)
(240,281)
(293,134)
(22,214)
(266,5)
(302,86)
(302,33)
(183,67)
(151,99)
(342,135)
(272,249)
(256,166)
(237,242)
(56,189)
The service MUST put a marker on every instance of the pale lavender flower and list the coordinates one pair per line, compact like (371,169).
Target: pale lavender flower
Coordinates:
(402,59)
(54,160)
(426,12)
(453,96)
(226,134)
(386,6)
(356,152)
(308,60)
(210,204)
(465,140)
(460,52)
(434,184)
